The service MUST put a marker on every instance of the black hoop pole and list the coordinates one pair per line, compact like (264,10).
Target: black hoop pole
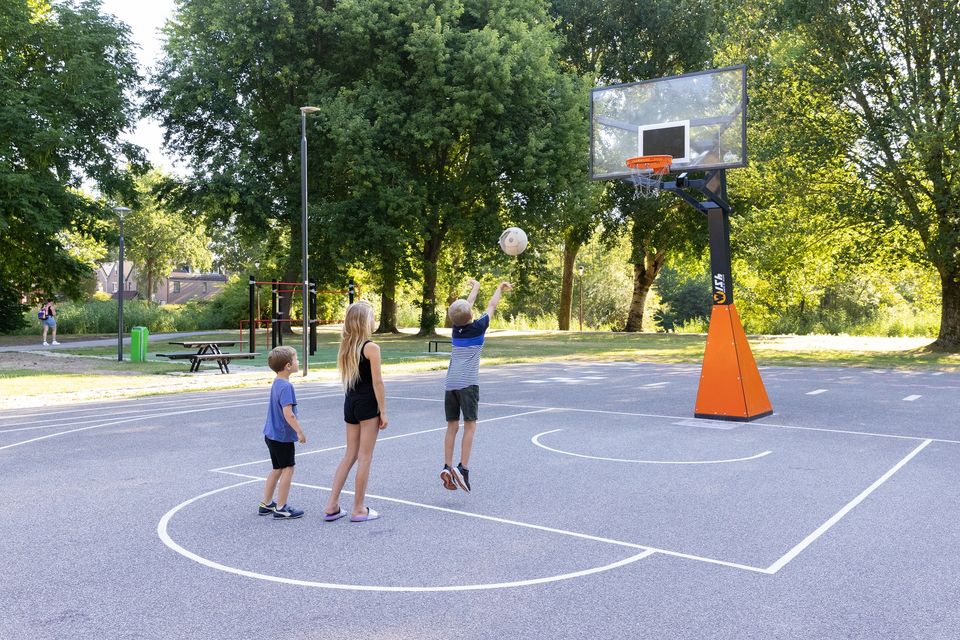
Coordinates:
(313,316)
(717,210)
(253,326)
(274,314)
(350,290)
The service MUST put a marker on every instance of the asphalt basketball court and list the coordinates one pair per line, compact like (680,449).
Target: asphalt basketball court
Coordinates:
(600,508)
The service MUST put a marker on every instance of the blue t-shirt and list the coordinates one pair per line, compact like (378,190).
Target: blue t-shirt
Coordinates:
(276,427)
(467,342)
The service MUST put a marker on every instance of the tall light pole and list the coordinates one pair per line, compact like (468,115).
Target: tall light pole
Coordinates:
(303,232)
(120,211)
(580,269)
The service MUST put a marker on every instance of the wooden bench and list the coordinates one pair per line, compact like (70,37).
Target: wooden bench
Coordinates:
(222,359)
(433,346)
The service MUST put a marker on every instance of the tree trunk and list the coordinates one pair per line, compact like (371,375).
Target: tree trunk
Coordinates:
(570,250)
(388,299)
(949,336)
(150,268)
(644,275)
(428,302)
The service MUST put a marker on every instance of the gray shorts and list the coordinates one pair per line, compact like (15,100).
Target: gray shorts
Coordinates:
(465,400)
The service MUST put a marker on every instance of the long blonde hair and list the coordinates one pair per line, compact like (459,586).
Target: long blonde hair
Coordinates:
(357,328)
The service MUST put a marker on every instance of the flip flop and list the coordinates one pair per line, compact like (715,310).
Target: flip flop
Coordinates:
(330,517)
(371,515)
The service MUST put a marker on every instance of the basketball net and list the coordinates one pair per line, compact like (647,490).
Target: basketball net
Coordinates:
(646,174)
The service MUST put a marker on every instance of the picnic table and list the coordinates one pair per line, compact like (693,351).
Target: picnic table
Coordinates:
(207,350)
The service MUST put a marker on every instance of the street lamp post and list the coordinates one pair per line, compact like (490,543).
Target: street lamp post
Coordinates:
(120,211)
(303,232)
(580,269)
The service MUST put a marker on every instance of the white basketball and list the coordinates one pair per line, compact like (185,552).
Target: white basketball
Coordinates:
(513,241)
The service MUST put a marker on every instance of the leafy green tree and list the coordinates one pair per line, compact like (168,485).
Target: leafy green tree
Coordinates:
(158,238)
(626,42)
(893,66)
(67,75)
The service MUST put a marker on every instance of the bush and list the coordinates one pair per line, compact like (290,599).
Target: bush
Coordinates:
(11,311)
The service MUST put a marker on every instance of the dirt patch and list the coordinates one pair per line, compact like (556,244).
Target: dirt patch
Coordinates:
(56,363)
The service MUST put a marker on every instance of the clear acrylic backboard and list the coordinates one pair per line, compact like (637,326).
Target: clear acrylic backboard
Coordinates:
(698,118)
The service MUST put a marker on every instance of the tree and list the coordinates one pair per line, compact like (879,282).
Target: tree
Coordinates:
(626,42)
(159,239)
(894,67)
(67,75)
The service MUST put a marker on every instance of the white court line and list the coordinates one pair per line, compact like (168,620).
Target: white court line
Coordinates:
(536,440)
(102,405)
(816,392)
(527,525)
(110,423)
(401,435)
(911,398)
(810,539)
(221,404)
(164,535)
(154,401)
(757,423)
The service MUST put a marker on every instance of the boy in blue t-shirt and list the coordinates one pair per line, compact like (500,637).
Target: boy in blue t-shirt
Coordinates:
(462,388)
(280,431)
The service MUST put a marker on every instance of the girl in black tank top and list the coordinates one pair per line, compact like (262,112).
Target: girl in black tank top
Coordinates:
(364,410)
(364,385)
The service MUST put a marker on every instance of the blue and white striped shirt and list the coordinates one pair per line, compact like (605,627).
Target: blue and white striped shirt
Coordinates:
(467,340)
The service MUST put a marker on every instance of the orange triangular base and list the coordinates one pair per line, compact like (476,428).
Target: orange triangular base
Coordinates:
(730,384)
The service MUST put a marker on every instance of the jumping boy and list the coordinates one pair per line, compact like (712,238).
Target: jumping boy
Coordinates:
(462,395)
(280,431)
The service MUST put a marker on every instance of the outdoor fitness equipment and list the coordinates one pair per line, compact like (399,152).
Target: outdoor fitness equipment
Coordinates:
(693,123)
(276,320)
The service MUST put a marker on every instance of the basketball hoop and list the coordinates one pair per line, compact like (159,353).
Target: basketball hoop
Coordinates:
(647,172)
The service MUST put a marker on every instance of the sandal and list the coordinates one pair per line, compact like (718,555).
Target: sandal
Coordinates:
(330,517)
(371,515)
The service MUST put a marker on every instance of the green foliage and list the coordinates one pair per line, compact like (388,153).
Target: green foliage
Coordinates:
(67,76)
(891,68)
(158,238)
(685,299)
(11,310)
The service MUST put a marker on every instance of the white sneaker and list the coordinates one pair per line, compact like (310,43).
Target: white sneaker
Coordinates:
(46,344)
(54,342)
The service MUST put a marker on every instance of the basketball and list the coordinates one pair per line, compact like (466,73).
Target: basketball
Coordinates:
(513,241)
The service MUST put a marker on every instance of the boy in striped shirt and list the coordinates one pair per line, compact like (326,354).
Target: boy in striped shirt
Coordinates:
(462,394)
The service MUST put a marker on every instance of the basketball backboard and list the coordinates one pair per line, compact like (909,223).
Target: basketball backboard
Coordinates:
(698,118)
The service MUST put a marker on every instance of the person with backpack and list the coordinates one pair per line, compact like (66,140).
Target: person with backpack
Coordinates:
(48,318)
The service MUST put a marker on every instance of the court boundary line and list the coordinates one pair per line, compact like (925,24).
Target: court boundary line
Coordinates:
(847,508)
(86,419)
(111,423)
(757,423)
(163,534)
(400,435)
(536,440)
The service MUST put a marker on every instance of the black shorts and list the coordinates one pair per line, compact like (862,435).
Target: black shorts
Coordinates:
(358,406)
(466,400)
(281,453)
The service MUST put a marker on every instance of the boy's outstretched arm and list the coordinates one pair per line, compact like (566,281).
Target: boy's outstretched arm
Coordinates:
(474,291)
(495,298)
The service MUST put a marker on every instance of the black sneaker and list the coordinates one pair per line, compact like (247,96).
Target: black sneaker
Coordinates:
(266,509)
(286,512)
(462,476)
(446,476)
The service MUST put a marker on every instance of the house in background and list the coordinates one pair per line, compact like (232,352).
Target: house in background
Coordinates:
(181,285)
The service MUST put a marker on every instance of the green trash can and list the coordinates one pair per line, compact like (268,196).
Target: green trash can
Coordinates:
(138,344)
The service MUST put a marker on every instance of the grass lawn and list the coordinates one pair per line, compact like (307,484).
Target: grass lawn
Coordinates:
(89,373)
(408,352)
